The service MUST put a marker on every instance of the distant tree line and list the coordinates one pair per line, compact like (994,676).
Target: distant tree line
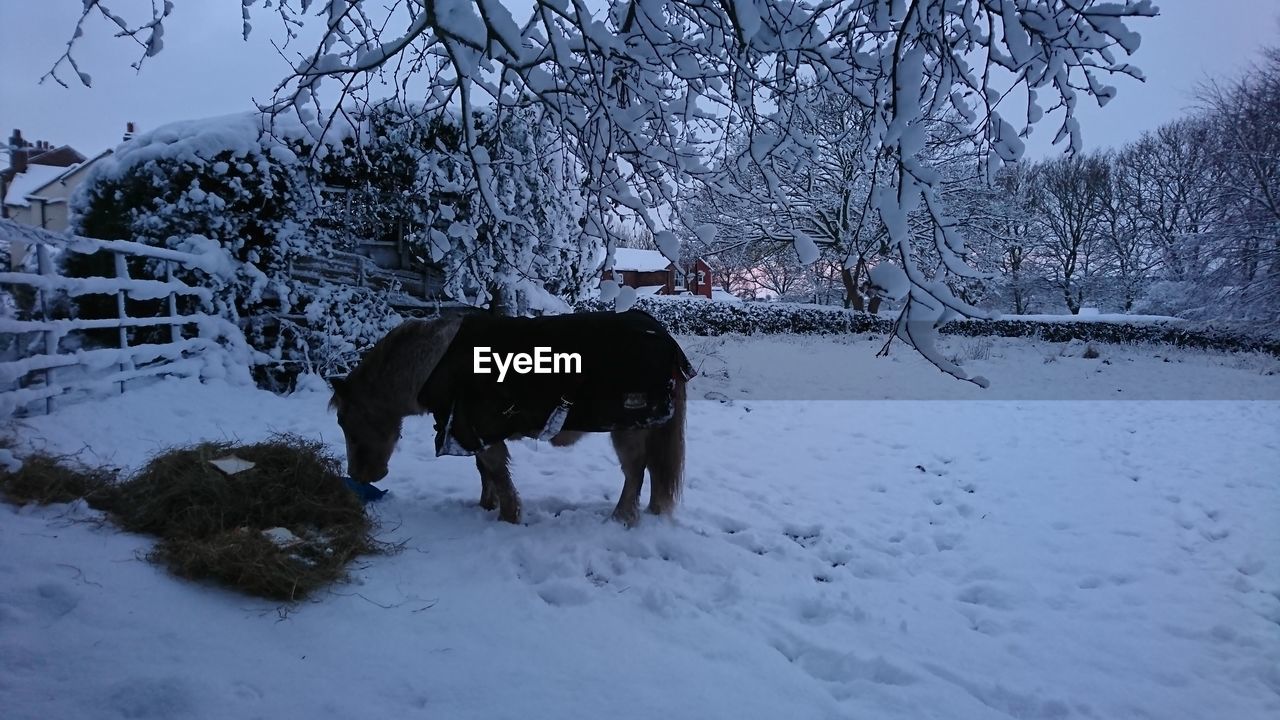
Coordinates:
(1184,221)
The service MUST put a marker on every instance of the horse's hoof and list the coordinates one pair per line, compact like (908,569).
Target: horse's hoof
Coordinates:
(628,519)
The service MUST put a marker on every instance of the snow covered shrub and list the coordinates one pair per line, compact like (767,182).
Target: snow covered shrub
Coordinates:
(335,324)
(713,318)
(527,239)
(695,317)
(222,179)
(402,175)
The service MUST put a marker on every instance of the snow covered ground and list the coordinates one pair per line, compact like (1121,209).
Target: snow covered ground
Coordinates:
(951,558)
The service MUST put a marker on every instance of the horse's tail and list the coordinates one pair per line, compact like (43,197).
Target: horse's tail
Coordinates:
(664,455)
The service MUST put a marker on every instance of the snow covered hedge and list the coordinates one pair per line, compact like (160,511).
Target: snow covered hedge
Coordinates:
(270,192)
(715,318)
(223,179)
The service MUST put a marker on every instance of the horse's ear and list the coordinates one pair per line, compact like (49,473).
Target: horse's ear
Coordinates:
(442,332)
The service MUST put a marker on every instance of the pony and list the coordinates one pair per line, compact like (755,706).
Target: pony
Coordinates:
(630,383)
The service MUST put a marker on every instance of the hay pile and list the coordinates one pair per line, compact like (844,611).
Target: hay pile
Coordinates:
(280,530)
(44,479)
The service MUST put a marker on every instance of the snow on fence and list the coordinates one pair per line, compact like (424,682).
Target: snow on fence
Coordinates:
(404,289)
(52,370)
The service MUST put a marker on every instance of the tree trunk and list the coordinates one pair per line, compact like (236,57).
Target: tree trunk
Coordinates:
(851,294)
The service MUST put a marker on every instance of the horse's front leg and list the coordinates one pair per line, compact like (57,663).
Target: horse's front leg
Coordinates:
(495,482)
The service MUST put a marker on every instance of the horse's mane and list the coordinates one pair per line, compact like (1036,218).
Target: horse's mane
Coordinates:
(398,365)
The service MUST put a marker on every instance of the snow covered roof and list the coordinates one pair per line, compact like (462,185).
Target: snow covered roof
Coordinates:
(639,260)
(724,296)
(650,290)
(37,177)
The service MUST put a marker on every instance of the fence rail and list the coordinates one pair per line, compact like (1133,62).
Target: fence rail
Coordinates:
(35,376)
(405,289)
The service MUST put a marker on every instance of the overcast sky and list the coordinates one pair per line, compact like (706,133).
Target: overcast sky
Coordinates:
(206,69)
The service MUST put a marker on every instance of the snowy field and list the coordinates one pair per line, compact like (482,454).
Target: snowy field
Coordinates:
(1094,541)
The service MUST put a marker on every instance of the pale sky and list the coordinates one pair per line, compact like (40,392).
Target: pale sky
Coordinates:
(206,69)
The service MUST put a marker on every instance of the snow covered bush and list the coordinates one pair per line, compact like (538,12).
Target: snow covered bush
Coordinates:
(335,324)
(222,179)
(714,318)
(523,226)
(271,195)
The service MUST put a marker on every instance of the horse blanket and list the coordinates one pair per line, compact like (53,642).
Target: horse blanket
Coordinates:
(629,368)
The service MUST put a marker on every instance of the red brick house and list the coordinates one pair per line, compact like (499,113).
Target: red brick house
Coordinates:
(648,271)
(651,273)
(699,279)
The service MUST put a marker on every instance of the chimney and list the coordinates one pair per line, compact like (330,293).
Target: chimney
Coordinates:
(129,130)
(17,152)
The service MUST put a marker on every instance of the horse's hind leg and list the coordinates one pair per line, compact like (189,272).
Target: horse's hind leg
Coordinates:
(488,495)
(630,446)
(495,473)
(664,455)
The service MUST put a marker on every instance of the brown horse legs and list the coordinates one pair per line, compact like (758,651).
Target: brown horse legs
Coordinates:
(496,488)
(488,496)
(630,446)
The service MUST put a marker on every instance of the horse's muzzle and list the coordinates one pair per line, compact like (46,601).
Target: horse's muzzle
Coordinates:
(367,477)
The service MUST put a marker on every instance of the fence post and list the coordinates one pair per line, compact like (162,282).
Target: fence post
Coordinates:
(122,273)
(175,330)
(50,336)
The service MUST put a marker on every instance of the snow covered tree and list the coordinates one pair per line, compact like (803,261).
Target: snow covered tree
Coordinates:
(1168,179)
(1244,124)
(466,227)
(1003,229)
(1127,246)
(648,94)
(1068,203)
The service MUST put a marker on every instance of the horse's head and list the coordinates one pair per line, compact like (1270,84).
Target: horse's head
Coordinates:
(374,399)
(371,433)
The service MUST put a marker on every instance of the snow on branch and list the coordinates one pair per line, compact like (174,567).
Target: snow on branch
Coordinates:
(651,95)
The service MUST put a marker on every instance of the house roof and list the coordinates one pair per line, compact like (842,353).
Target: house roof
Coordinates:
(38,177)
(639,260)
(28,183)
(64,156)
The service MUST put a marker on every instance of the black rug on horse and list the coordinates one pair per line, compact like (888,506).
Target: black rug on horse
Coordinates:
(629,368)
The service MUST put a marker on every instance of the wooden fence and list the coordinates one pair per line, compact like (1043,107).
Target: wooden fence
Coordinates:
(405,290)
(48,365)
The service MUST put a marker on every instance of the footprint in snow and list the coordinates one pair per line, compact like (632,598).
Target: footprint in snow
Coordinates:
(144,698)
(987,596)
(804,536)
(562,593)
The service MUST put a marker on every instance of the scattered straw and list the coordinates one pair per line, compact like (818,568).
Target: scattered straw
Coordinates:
(45,479)
(211,525)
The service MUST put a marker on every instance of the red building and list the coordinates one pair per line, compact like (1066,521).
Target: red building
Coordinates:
(648,271)
(698,278)
(651,273)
